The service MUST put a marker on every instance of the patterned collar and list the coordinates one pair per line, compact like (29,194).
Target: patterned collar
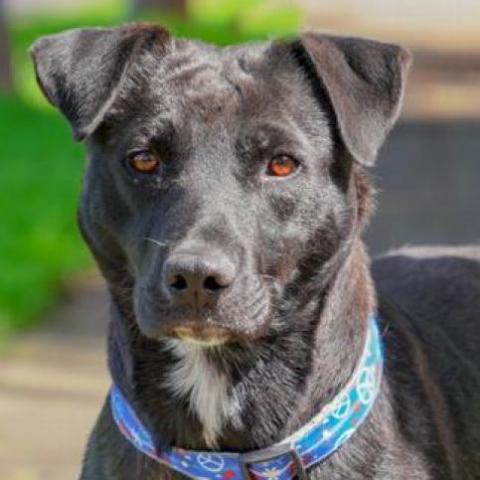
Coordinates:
(319,438)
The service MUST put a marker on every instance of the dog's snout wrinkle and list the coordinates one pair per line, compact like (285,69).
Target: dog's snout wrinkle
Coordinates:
(196,279)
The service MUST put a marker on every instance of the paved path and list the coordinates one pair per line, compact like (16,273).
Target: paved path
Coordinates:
(52,384)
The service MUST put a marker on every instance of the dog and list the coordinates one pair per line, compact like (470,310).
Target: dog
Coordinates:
(224,201)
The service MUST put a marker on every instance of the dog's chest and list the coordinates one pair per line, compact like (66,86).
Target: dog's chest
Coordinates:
(195,377)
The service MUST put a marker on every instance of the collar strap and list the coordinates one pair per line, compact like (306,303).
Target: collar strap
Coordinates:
(325,433)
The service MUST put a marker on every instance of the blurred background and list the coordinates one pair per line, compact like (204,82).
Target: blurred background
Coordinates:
(53,306)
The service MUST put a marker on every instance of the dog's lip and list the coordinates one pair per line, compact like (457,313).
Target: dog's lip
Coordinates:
(200,334)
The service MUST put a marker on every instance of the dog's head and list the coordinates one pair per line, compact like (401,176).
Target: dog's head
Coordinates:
(222,183)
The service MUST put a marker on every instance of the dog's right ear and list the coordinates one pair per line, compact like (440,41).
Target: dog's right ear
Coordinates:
(80,71)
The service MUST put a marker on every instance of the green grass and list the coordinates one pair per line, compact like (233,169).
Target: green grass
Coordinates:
(41,166)
(40,170)
(40,177)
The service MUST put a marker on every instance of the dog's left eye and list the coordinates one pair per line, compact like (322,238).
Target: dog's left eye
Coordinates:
(143,161)
(282,166)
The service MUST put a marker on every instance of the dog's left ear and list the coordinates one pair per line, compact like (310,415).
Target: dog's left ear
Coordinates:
(364,82)
(80,71)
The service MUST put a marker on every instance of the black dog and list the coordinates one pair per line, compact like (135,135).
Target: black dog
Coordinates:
(224,200)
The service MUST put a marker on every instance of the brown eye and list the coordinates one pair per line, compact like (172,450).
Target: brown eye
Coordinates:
(282,166)
(143,162)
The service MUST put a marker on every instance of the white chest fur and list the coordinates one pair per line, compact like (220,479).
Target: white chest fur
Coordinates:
(194,376)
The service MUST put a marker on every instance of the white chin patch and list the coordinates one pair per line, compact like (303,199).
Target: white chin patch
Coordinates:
(194,376)
(214,342)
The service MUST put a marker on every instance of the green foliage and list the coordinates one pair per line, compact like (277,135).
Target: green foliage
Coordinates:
(226,22)
(41,166)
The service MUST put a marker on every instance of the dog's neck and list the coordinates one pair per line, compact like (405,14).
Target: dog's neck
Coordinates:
(244,398)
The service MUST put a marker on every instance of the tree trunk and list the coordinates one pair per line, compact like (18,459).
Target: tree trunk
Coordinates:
(177,7)
(5,67)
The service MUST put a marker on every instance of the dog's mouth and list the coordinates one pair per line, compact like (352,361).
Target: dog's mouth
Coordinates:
(201,335)
(236,320)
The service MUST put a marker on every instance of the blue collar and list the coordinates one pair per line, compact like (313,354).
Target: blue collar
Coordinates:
(319,438)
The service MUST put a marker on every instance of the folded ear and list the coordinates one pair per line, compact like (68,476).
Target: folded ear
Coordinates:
(364,82)
(80,71)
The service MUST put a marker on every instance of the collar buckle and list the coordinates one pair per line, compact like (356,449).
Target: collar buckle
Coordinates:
(271,453)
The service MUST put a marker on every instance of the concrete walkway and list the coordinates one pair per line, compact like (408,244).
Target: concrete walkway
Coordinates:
(52,384)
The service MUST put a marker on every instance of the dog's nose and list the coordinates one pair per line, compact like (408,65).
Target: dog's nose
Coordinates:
(196,279)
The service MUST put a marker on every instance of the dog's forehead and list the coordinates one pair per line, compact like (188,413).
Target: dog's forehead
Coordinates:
(200,79)
(202,68)
(204,93)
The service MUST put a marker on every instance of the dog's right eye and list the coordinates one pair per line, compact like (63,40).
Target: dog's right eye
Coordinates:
(143,161)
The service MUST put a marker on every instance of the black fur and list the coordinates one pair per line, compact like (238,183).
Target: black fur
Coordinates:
(297,309)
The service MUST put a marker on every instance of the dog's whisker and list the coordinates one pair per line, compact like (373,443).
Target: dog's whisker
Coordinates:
(157,242)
